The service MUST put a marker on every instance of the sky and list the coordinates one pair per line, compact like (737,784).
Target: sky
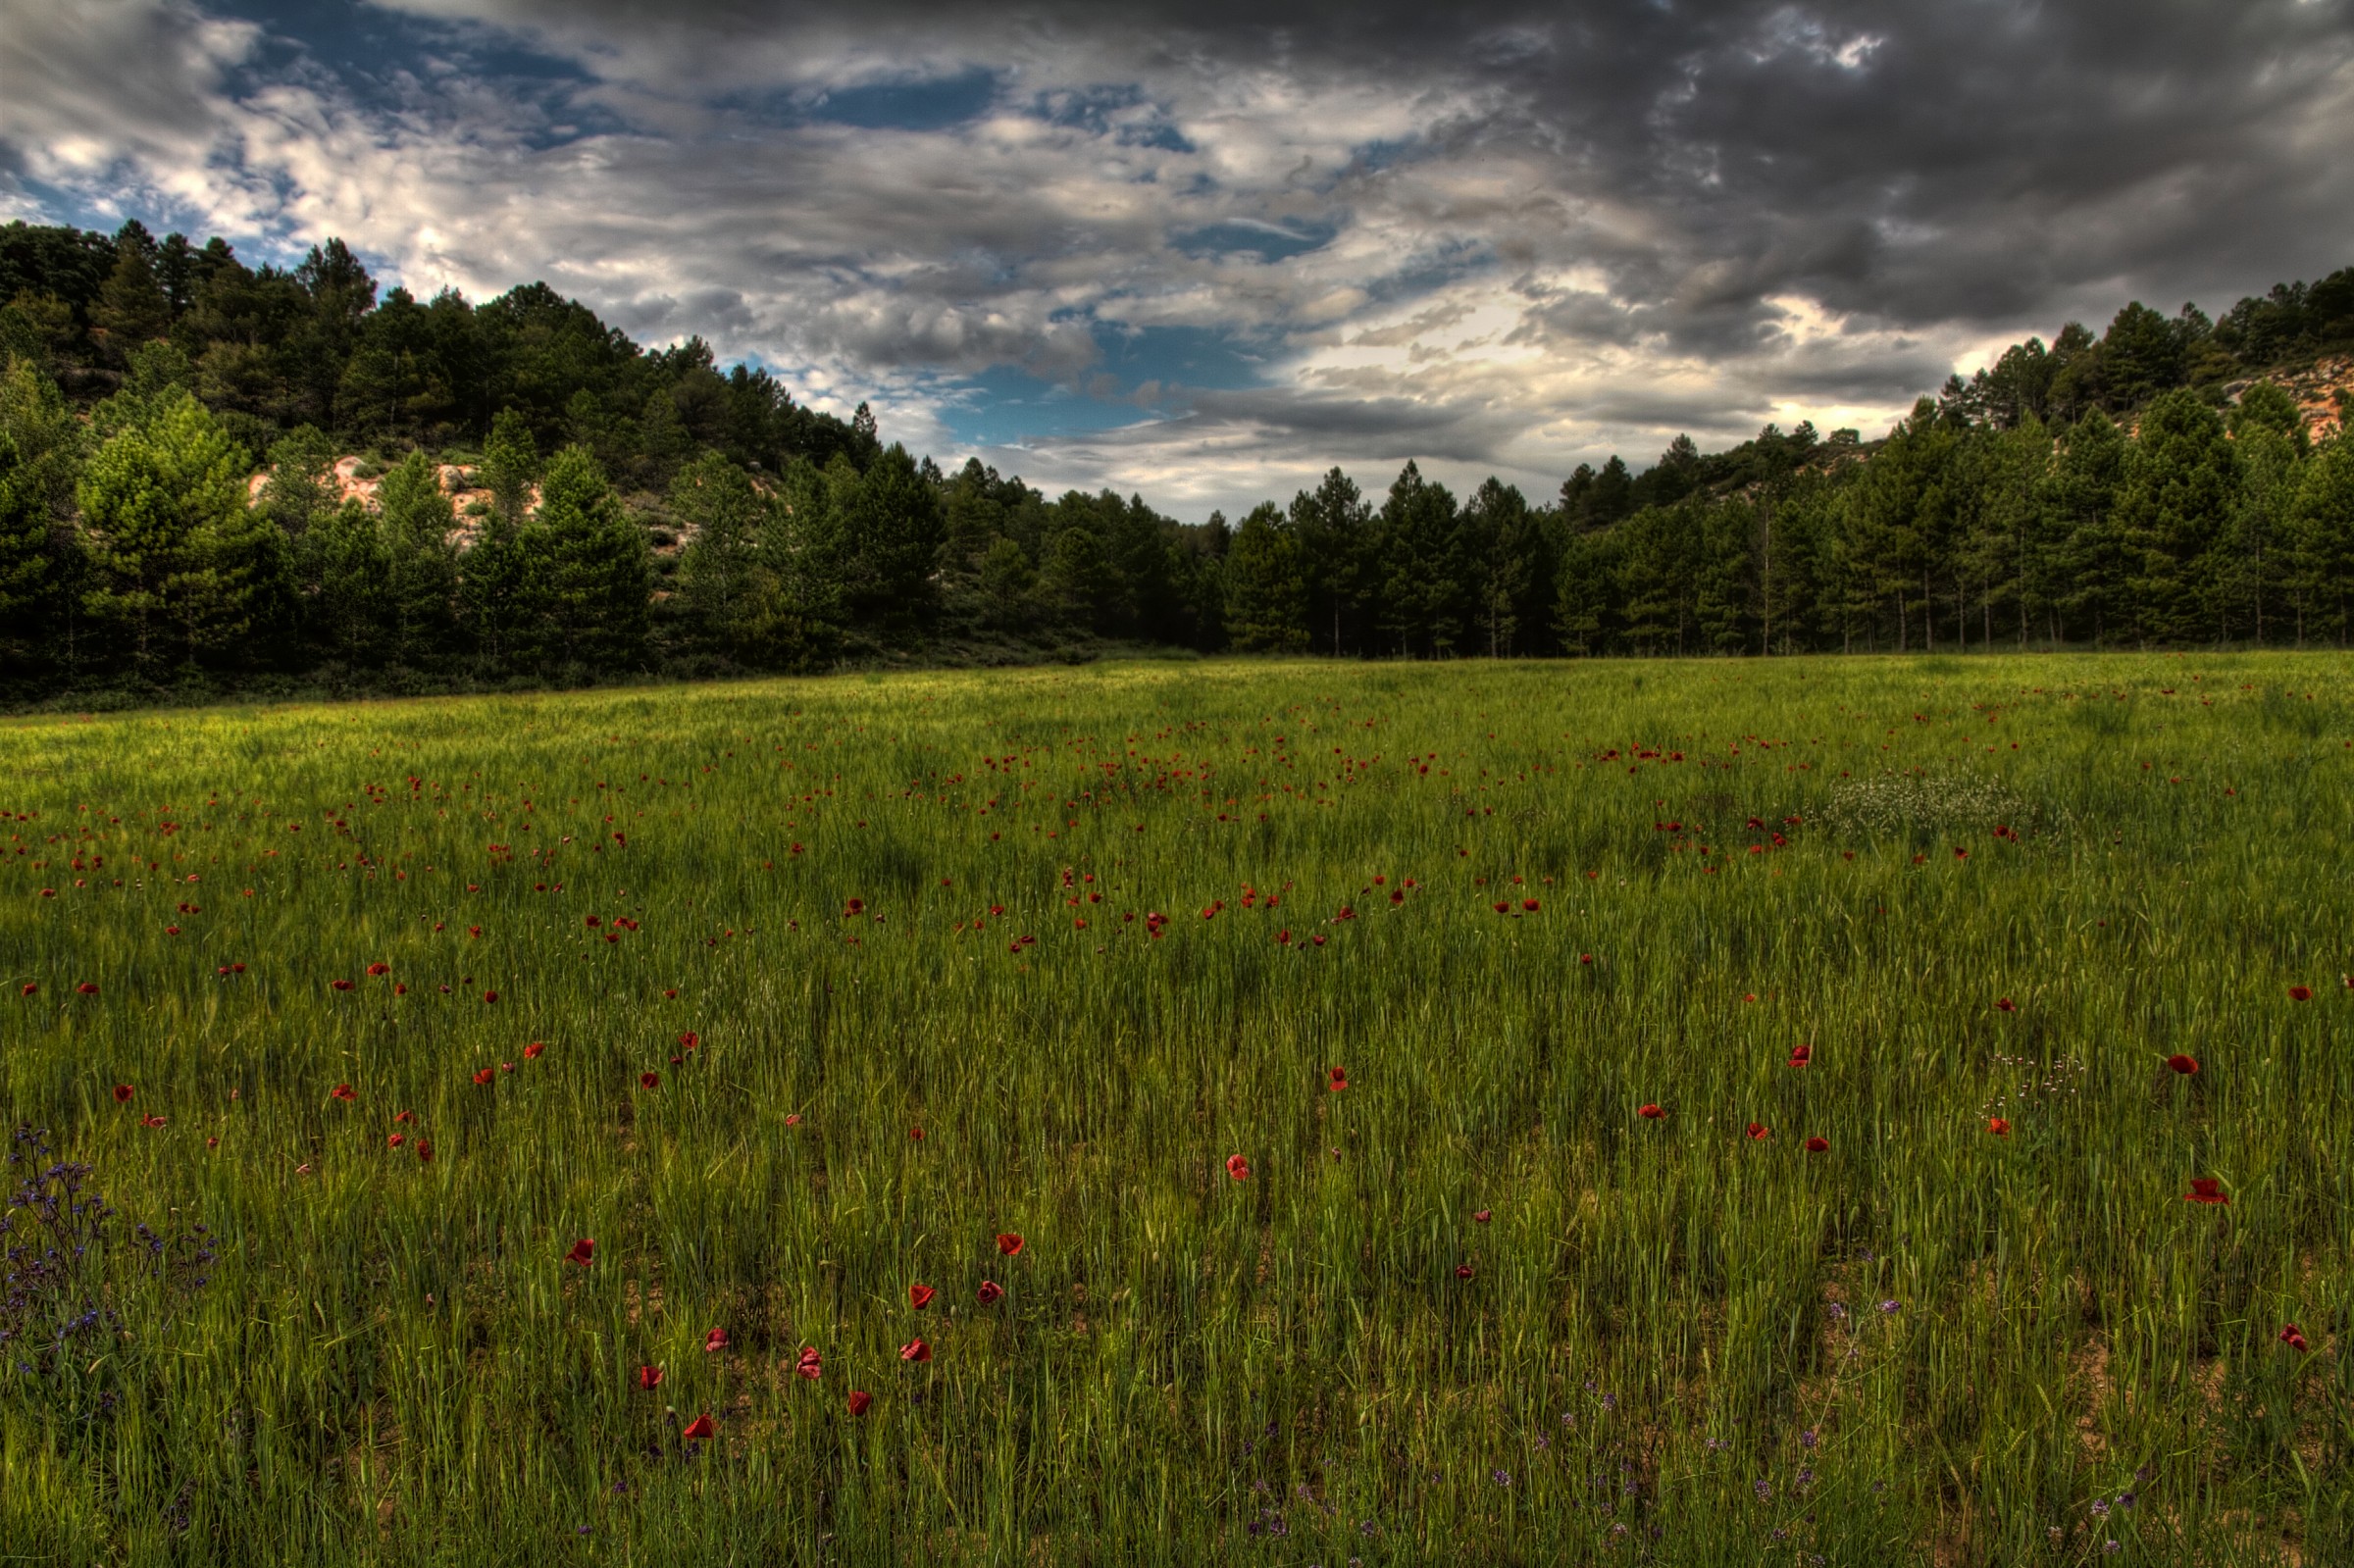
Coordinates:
(1205,251)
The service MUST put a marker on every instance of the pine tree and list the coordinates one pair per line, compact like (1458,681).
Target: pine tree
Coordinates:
(587,569)
(1264,588)
(2180,483)
(177,560)
(415,525)
(40,440)
(131,308)
(510,466)
(720,572)
(892,527)
(2320,525)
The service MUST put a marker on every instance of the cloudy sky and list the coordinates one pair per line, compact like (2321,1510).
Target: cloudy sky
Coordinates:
(1207,250)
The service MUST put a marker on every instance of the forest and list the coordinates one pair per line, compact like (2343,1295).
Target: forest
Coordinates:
(536,498)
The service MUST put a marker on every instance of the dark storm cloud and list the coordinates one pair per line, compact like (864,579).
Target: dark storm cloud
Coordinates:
(1491,234)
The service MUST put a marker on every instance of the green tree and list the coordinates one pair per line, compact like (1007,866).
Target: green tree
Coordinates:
(510,465)
(39,443)
(890,525)
(2320,525)
(1266,585)
(415,524)
(176,561)
(2089,473)
(1334,525)
(131,308)
(1507,552)
(588,570)
(1425,568)
(2180,484)
(720,572)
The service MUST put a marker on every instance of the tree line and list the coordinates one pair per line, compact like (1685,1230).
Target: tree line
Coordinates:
(169,510)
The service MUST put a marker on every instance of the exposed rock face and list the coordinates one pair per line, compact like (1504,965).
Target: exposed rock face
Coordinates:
(2323,390)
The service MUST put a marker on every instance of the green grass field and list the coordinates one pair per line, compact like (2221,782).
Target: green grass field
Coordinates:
(1092,934)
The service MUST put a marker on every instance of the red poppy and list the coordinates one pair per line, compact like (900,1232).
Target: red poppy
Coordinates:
(489,996)
(690,1039)
(380,969)
(2005,1004)
(699,1430)
(1008,1243)
(811,1365)
(853,908)
(1529,904)
(88,987)
(2205,1190)
(404,1116)
(1817,1144)
(340,984)
(793,1119)
(989,1293)
(32,988)
(1801,1055)
(425,1151)
(2293,1338)
(396,1141)
(915,1351)
(649,1378)
(1336,1081)
(919,1296)
(2182,1063)
(1998,1127)
(1758,1131)
(532,1052)
(151,1121)
(1649,1113)
(1585,958)
(2301,993)
(1238,1167)
(584,1252)
(1481,1216)
(916,1135)
(859,1401)
(1503,908)
(715,1342)
(344,1092)
(672,994)
(1463,1271)
(122,1094)
(650,1079)
(485,1074)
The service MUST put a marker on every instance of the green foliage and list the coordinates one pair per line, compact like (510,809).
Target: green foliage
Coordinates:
(415,527)
(510,466)
(39,447)
(177,559)
(1265,586)
(586,572)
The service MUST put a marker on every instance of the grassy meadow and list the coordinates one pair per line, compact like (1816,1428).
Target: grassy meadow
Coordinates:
(1096,933)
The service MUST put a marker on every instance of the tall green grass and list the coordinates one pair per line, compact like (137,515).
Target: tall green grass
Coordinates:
(1668,1341)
